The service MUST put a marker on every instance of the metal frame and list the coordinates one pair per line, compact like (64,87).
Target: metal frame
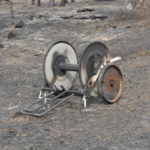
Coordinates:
(47,106)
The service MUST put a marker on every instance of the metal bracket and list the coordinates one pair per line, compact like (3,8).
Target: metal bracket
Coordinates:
(106,61)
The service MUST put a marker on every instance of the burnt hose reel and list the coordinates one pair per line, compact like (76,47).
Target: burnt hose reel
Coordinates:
(97,74)
(98,77)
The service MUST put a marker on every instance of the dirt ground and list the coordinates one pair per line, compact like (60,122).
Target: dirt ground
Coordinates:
(124,125)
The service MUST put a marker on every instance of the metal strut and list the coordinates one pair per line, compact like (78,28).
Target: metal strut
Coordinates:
(44,105)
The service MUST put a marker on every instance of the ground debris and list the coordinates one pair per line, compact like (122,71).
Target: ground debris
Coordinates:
(30,17)
(67,17)
(11,35)
(1,46)
(20,24)
(84,17)
(85,10)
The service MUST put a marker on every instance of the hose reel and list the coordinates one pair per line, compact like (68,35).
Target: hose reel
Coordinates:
(98,76)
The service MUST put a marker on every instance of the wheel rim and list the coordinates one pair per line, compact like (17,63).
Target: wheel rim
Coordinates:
(111,84)
(64,50)
(91,59)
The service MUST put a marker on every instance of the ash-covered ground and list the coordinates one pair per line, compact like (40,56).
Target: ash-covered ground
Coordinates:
(124,125)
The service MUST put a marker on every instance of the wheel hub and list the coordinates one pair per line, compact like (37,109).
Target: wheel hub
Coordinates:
(58,59)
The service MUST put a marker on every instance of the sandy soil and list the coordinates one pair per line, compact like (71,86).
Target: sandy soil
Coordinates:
(121,126)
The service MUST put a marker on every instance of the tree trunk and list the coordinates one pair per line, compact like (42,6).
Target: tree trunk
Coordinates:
(51,3)
(63,2)
(143,7)
(38,2)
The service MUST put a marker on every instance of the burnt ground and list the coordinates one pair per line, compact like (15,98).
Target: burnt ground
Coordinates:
(121,126)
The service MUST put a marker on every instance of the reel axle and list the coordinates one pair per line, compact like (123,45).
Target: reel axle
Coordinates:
(69,67)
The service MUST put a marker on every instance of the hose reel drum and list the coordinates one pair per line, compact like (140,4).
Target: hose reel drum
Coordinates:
(61,69)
